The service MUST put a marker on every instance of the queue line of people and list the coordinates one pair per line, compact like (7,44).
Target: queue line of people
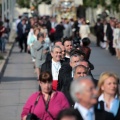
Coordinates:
(66,81)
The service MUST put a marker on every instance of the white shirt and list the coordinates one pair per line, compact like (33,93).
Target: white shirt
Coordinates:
(84,112)
(101,98)
(55,69)
(67,56)
(84,31)
(105,28)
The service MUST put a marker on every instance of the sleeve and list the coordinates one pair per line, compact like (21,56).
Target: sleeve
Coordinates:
(28,105)
(65,103)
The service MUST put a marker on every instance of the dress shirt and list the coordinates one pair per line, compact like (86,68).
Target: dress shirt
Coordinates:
(55,69)
(101,98)
(84,112)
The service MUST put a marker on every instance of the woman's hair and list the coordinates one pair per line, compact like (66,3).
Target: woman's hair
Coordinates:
(45,77)
(67,113)
(103,77)
(35,29)
(40,35)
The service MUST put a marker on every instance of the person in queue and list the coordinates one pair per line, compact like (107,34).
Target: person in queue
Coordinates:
(67,114)
(85,95)
(54,65)
(80,71)
(68,46)
(39,52)
(49,102)
(108,91)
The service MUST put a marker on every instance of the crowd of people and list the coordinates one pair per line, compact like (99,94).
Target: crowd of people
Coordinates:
(60,54)
(108,35)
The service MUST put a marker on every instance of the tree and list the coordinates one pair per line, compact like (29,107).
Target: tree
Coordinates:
(24,3)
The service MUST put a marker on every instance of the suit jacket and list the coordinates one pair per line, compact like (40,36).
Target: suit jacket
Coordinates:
(117,117)
(64,81)
(20,29)
(64,76)
(99,115)
(109,33)
(47,66)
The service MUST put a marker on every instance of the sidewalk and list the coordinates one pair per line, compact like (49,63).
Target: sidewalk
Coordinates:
(102,60)
(18,83)
(9,46)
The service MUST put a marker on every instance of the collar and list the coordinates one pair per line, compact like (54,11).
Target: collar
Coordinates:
(55,62)
(101,98)
(67,56)
(83,110)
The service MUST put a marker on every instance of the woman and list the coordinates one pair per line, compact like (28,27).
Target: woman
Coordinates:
(84,30)
(108,91)
(49,103)
(116,36)
(85,48)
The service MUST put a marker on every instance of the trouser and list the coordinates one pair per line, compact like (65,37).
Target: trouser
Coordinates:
(23,40)
(3,44)
(111,49)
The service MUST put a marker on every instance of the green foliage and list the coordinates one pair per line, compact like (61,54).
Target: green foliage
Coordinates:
(93,3)
(115,5)
(24,3)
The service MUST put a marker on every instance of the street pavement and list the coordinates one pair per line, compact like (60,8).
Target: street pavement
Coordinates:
(18,83)
(102,60)
(19,80)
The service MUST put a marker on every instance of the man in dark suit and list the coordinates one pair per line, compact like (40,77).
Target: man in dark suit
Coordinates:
(66,76)
(21,33)
(84,94)
(109,34)
(54,65)
(99,32)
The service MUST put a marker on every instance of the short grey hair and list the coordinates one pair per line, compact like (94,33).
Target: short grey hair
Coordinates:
(82,66)
(76,87)
(53,47)
(75,55)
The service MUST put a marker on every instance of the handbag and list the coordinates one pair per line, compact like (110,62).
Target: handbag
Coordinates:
(32,116)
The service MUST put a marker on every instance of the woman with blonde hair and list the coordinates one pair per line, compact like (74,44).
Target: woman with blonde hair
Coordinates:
(108,94)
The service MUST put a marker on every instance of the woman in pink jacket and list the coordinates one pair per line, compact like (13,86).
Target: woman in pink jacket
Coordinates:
(45,104)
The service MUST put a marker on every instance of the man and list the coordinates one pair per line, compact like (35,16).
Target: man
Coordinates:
(21,33)
(66,72)
(99,32)
(109,34)
(54,65)
(86,64)
(84,94)
(68,47)
(67,114)
(56,43)
(66,76)
(80,71)
(63,58)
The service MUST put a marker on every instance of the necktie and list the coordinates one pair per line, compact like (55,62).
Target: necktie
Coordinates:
(89,115)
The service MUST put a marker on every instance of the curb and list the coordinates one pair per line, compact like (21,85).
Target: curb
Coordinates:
(5,61)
